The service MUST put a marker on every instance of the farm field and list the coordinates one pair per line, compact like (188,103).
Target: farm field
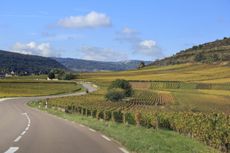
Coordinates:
(182,72)
(18,88)
(172,93)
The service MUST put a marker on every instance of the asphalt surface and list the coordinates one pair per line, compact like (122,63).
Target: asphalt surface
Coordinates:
(27,130)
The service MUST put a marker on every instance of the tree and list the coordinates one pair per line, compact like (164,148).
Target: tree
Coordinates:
(51,75)
(115,94)
(122,84)
(68,76)
(118,90)
(141,65)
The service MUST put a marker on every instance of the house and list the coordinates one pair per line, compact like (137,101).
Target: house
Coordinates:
(12,73)
(8,75)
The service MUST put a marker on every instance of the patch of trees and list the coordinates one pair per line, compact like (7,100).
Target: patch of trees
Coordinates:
(141,65)
(118,90)
(26,64)
(61,75)
(201,57)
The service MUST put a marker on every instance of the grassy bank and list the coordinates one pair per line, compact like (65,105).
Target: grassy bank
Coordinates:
(138,139)
(36,88)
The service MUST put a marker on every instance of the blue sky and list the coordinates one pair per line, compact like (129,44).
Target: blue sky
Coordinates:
(111,30)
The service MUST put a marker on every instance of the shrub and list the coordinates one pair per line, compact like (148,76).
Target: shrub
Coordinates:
(141,65)
(115,94)
(122,84)
(69,76)
(66,76)
(51,75)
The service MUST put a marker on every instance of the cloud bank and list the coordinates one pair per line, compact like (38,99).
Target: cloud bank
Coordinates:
(91,20)
(145,47)
(148,48)
(33,48)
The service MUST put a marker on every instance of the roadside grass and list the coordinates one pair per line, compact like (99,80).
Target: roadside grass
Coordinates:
(16,88)
(137,139)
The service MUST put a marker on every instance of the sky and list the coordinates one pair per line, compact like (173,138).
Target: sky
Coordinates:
(111,30)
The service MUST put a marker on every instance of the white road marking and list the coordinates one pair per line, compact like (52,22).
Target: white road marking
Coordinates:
(106,138)
(92,130)
(23,132)
(123,150)
(12,149)
(18,138)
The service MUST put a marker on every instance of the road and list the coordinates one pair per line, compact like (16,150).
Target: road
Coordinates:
(27,130)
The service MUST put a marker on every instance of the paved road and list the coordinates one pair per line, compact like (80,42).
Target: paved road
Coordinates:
(27,130)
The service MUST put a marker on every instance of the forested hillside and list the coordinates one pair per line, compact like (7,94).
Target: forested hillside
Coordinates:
(26,64)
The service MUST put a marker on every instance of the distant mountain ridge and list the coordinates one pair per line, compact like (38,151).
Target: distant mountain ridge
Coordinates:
(90,65)
(216,51)
(26,64)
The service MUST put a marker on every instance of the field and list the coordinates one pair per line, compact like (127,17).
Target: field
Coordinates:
(183,72)
(179,97)
(16,88)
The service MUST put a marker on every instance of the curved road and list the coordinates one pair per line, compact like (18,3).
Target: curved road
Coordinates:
(27,130)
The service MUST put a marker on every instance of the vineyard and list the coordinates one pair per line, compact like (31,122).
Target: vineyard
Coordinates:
(151,98)
(211,128)
(190,99)
(179,85)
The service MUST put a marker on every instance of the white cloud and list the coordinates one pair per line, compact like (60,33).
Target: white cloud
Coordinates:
(101,54)
(33,48)
(90,20)
(140,46)
(148,48)
(147,44)
(128,35)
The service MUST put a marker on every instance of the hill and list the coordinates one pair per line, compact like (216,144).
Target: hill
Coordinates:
(90,65)
(212,52)
(26,64)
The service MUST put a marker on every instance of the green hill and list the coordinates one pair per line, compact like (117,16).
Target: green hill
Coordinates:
(212,52)
(26,64)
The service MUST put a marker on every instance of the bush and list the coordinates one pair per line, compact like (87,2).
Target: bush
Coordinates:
(51,75)
(115,94)
(122,84)
(66,76)
(141,65)
(69,76)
